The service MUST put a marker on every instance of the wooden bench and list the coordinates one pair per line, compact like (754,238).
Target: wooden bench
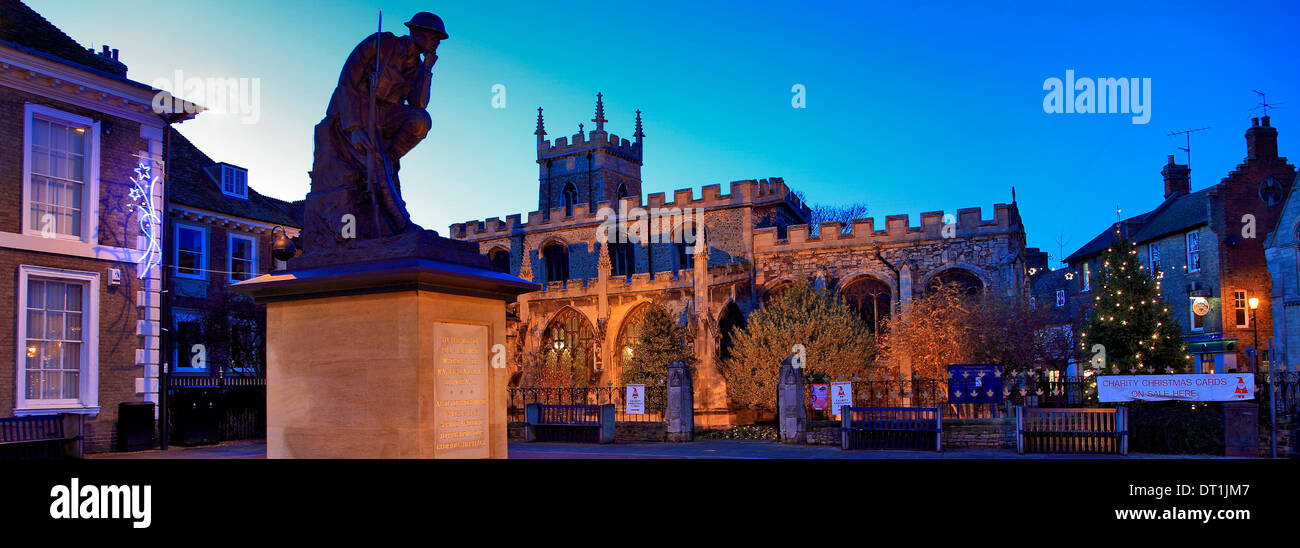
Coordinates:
(41,437)
(1101,431)
(917,428)
(569,423)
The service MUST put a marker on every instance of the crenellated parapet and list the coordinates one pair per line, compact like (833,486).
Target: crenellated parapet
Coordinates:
(966,223)
(741,193)
(588,140)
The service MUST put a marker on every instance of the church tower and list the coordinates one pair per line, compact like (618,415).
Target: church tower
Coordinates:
(587,168)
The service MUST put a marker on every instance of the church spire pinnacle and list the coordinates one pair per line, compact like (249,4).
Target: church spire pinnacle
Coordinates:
(639,134)
(600,113)
(541,126)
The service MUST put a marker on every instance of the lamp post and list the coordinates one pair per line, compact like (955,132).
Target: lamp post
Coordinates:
(1254,305)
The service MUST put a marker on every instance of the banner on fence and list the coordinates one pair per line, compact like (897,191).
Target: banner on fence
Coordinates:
(635,399)
(820,396)
(975,383)
(841,395)
(1187,387)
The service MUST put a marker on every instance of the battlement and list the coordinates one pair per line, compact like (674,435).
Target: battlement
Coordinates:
(581,142)
(898,228)
(747,192)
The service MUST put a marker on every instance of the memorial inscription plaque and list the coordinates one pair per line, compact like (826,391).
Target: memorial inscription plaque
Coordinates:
(461,405)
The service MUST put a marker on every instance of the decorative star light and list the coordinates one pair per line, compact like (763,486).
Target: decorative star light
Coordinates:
(143,203)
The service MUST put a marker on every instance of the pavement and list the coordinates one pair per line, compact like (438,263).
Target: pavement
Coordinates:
(700,449)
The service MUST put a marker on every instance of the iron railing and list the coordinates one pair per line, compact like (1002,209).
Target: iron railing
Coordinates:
(656,396)
(238,401)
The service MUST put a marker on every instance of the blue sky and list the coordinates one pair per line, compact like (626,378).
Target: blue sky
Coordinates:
(911,106)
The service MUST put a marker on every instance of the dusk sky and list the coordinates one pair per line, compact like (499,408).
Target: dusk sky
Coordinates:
(911,106)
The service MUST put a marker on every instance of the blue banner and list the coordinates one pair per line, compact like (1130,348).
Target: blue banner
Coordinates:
(975,383)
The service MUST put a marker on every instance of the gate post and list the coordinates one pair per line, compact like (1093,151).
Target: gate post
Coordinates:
(680,410)
(792,415)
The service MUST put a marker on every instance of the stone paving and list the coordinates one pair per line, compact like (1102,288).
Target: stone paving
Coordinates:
(701,449)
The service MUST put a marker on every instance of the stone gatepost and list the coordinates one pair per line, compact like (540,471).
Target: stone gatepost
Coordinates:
(680,413)
(792,415)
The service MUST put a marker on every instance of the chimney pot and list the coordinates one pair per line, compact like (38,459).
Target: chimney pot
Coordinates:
(1263,121)
(1171,159)
(1177,178)
(1254,122)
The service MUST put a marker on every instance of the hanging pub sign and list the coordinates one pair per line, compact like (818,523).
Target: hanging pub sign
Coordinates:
(820,396)
(841,395)
(1186,387)
(635,399)
(975,383)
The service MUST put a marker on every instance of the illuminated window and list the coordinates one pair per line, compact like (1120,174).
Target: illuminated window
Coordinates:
(58,324)
(1154,252)
(1086,275)
(1193,252)
(1240,308)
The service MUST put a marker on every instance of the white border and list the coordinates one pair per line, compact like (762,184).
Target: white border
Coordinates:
(90,200)
(230,255)
(88,403)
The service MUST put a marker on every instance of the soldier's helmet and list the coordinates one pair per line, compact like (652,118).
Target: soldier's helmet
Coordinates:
(429,21)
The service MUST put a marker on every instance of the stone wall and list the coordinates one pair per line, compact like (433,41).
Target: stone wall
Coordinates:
(979,434)
(623,431)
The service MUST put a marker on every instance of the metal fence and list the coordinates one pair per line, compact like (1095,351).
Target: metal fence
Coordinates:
(232,406)
(1286,391)
(656,396)
(1029,389)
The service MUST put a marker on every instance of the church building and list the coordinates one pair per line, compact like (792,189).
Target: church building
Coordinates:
(602,249)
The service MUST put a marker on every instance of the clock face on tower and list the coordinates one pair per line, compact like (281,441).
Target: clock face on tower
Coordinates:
(1270,191)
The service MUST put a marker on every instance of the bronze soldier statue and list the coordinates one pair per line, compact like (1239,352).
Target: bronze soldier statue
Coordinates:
(376,115)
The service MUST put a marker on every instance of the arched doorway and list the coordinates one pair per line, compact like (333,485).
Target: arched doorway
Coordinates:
(730,320)
(628,335)
(776,289)
(872,298)
(965,280)
(568,350)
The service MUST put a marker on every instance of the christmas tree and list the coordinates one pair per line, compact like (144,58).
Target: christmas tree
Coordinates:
(1131,330)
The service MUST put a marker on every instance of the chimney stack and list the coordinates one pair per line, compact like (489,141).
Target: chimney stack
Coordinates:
(1261,139)
(1178,178)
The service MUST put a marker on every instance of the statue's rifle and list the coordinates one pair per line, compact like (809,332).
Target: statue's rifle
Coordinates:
(371,187)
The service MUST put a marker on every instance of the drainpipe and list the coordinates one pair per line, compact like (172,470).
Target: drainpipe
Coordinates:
(165,309)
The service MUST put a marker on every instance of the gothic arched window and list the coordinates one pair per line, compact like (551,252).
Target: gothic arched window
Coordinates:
(872,298)
(569,346)
(500,259)
(622,257)
(555,259)
(967,281)
(570,198)
(684,247)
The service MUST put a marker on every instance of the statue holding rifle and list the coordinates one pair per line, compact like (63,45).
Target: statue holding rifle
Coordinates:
(376,115)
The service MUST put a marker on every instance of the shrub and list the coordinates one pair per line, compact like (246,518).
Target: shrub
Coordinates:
(838,344)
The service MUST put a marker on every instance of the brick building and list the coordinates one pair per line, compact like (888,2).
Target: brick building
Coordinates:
(220,231)
(754,242)
(1207,247)
(84,313)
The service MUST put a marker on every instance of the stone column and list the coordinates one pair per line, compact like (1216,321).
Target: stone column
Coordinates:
(792,415)
(680,411)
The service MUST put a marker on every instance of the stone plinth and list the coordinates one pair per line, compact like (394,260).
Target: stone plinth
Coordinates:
(792,413)
(386,360)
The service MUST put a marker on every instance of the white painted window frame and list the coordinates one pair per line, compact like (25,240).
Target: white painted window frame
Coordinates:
(1243,305)
(89,213)
(1193,236)
(176,252)
(183,366)
(229,170)
(88,402)
(230,255)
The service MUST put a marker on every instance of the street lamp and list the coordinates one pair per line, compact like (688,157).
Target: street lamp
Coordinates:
(1254,360)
